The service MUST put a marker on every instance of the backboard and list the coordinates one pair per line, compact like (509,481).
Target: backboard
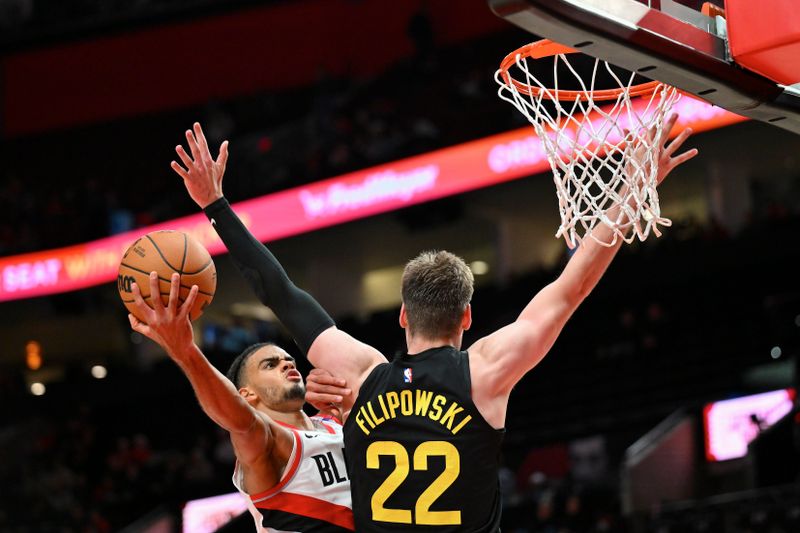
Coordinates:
(665,41)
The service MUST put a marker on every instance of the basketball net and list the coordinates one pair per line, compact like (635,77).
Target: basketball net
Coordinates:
(601,157)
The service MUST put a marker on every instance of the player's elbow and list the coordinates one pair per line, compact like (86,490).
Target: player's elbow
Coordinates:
(572,294)
(569,290)
(579,294)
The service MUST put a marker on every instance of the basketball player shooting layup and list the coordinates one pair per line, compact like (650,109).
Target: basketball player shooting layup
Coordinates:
(423,434)
(289,467)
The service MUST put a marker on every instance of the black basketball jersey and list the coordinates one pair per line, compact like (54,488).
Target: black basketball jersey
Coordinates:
(419,454)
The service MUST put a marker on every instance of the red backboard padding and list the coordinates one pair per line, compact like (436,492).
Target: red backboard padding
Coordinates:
(764,37)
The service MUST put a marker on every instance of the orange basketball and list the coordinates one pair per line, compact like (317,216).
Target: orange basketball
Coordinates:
(167,252)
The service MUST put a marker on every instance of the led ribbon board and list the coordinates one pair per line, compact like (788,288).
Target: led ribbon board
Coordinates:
(380,189)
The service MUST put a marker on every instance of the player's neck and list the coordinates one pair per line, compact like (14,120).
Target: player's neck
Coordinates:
(293,418)
(417,344)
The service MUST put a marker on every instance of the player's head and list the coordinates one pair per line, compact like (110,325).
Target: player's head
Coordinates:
(436,290)
(265,374)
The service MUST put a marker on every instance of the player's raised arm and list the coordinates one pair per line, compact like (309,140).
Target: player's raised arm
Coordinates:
(510,352)
(311,327)
(261,445)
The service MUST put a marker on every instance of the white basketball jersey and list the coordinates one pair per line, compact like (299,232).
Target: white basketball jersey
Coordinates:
(313,494)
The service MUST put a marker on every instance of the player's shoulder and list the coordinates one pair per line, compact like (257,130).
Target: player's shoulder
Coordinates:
(483,365)
(477,350)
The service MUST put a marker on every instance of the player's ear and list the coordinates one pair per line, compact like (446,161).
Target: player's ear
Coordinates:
(249,395)
(403,317)
(466,319)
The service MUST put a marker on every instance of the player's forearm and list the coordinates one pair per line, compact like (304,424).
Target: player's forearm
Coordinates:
(217,395)
(592,259)
(588,265)
(300,313)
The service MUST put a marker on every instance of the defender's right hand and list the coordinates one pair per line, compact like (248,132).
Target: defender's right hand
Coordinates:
(202,175)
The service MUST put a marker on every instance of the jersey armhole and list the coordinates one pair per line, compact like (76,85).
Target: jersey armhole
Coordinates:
(288,473)
(465,370)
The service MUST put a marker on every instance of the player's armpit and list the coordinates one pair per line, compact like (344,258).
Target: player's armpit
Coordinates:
(509,353)
(265,438)
(263,452)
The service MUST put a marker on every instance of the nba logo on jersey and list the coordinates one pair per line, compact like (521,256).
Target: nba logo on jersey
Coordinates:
(407,375)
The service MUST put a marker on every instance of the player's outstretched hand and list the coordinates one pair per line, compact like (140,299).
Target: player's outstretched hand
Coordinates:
(666,161)
(203,174)
(638,156)
(326,392)
(168,325)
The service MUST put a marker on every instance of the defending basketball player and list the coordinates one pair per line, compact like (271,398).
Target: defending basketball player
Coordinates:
(289,467)
(424,431)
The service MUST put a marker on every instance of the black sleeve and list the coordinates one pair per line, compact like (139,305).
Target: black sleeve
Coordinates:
(300,313)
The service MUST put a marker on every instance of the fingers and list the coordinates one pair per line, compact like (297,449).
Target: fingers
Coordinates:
(222,160)
(319,388)
(197,153)
(324,377)
(684,157)
(138,326)
(201,139)
(323,388)
(652,132)
(155,292)
(188,304)
(138,301)
(187,161)
(174,291)
(179,170)
(668,125)
(677,142)
(205,153)
(668,166)
(322,400)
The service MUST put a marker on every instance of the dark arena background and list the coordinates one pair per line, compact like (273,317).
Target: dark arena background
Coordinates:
(618,429)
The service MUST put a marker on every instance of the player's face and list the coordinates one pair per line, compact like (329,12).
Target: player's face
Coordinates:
(272,373)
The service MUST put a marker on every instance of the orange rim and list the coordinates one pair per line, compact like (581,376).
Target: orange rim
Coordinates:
(547,48)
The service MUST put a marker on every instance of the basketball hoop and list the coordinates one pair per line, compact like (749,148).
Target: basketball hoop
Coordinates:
(600,156)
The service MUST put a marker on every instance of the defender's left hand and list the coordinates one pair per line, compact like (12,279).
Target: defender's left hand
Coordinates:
(326,392)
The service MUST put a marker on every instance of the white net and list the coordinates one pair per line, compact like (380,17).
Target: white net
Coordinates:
(602,155)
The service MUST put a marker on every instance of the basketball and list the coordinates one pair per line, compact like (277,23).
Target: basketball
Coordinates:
(166,252)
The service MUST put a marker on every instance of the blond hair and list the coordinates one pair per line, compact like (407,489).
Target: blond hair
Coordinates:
(437,287)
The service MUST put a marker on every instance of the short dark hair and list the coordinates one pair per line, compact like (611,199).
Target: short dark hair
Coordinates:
(437,287)
(236,371)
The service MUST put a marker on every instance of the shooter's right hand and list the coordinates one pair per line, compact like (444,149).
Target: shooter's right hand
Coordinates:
(202,175)
(168,325)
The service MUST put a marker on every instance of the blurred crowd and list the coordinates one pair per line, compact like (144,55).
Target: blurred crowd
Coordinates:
(77,470)
(770,510)
(278,140)
(23,17)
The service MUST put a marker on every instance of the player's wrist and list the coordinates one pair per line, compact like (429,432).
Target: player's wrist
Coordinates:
(218,204)
(182,349)
(205,203)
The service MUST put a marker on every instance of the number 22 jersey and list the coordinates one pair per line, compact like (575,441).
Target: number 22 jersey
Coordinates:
(419,454)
